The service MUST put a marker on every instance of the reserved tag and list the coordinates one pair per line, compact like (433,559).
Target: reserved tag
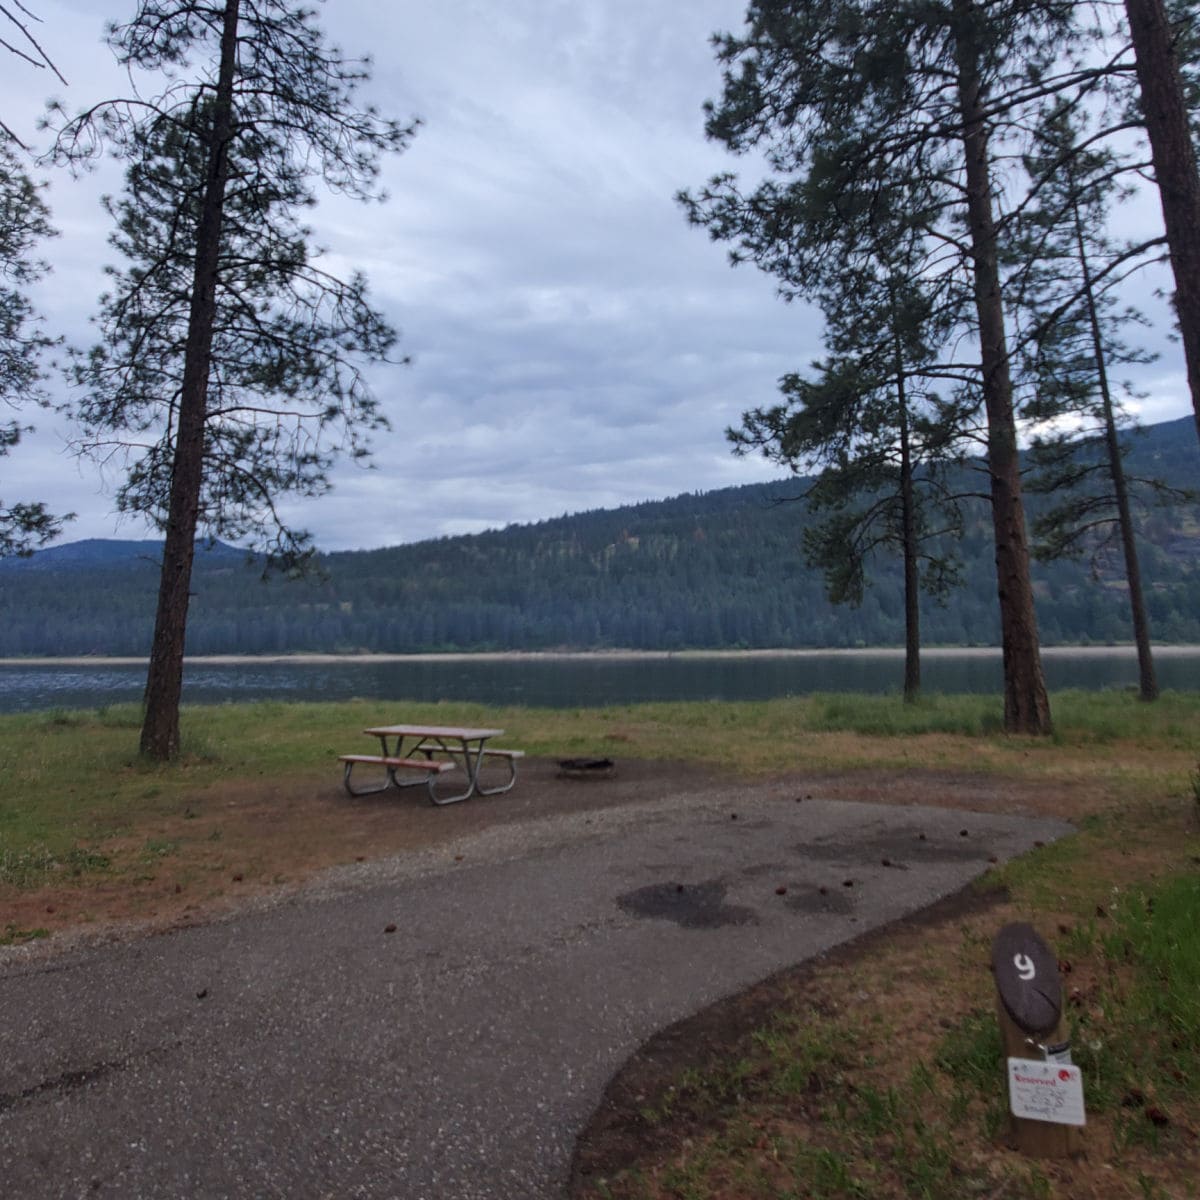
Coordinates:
(1045,1091)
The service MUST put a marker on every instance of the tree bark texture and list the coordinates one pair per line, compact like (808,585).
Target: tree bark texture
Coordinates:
(1147,682)
(164,681)
(908,522)
(1026,705)
(1166,116)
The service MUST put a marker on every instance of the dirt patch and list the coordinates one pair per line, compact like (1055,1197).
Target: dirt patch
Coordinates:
(977,792)
(230,843)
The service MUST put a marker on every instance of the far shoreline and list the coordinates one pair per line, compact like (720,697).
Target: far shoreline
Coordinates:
(515,656)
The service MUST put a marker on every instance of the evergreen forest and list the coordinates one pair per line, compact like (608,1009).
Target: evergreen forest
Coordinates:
(717,570)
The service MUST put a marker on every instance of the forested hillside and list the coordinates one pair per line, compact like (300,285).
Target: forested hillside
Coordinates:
(716,570)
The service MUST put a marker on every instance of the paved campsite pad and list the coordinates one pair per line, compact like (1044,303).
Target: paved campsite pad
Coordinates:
(240,841)
(443,1023)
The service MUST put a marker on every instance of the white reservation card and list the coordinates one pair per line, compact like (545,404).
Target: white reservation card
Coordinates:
(1045,1091)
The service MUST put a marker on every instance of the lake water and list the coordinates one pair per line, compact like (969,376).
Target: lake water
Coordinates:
(569,681)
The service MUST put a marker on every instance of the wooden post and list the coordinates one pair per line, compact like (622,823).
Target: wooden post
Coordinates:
(1029,1007)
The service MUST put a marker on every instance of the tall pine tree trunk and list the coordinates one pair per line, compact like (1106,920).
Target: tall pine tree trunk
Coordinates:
(912,577)
(164,681)
(1174,155)
(1026,705)
(1147,680)
(908,534)
(1148,683)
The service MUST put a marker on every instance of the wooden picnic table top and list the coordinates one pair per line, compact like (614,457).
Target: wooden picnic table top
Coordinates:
(433,731)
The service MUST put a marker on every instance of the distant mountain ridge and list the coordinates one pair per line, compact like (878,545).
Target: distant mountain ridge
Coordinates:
(109,552)
(1163,449)
(706,570)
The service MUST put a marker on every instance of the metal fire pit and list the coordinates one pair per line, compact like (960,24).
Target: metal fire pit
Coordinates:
(586,768)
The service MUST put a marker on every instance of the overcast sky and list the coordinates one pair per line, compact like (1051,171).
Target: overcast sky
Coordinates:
(575,343)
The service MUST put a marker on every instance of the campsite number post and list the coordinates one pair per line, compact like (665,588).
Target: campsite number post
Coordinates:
(1045,1090)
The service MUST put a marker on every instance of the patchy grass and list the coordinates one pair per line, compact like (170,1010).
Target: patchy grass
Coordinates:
(75,798)
(12,935)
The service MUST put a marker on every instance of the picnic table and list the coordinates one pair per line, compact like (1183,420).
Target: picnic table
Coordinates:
(425,752)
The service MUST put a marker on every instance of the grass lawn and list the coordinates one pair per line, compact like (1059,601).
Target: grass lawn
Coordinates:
(875,1074)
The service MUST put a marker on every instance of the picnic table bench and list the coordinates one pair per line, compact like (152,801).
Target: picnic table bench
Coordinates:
(429,751)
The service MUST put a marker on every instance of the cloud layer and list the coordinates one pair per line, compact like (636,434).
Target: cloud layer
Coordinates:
(575,344)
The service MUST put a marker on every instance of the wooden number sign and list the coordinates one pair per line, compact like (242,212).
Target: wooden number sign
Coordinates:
(1029,1004)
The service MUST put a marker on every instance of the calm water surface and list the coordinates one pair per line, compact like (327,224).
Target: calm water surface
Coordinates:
(570,681)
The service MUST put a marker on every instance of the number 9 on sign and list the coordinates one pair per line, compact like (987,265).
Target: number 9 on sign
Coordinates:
(1025,968)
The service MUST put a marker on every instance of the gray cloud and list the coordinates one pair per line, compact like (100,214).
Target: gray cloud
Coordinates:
(575,345)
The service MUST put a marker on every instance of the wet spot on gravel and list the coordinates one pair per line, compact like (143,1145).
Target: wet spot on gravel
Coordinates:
(689,905)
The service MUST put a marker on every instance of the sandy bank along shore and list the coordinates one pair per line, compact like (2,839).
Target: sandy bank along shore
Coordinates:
(593,655)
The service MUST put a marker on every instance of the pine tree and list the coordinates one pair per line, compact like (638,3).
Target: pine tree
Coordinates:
(227,368)
(872,95)
(870,419)
(24,221)
(1071,271)
(1163,101)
